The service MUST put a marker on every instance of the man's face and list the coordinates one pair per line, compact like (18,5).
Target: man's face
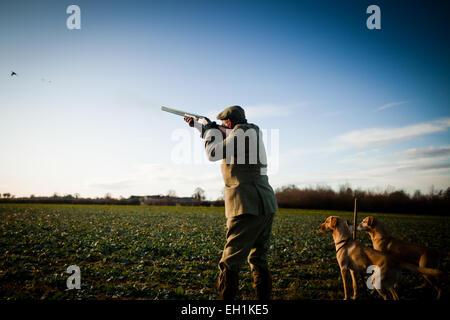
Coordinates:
(227,123)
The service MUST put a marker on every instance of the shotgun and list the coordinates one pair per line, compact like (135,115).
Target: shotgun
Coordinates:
(182,113)
(201,119)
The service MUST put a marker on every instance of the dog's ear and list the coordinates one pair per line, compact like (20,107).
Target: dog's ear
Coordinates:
(370,221)
(333,222)
(349,226)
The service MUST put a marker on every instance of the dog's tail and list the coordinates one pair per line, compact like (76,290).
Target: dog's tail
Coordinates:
(429,271)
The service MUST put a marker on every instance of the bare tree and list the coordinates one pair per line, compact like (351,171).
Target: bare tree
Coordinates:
(171,193)
(432,191)
(417,195)
(199,194)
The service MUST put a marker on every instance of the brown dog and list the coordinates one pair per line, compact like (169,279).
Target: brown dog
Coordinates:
(355,258)
(401,250)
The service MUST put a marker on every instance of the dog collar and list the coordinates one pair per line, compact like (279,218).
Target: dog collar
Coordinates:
(345,241)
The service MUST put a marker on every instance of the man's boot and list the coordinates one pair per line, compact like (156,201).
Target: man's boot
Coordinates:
(228,285)
(262,283)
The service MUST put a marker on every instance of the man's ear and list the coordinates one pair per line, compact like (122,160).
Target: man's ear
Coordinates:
(333,222)
(370,221)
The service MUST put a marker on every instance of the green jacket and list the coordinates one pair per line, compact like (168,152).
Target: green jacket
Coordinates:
(244,170)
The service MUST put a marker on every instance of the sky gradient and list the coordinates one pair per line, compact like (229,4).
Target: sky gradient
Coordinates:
(365,107)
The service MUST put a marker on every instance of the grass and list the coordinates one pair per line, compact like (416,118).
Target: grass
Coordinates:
(131,252)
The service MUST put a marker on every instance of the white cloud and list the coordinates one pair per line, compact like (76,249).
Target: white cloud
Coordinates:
(156,178)
(364,157)
(177,174)
(374,175)
(384,136)
(431,152)
(369,168)
(436,167)
(390,105)
(112,184)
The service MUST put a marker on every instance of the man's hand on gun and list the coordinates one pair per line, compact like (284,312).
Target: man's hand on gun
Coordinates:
(189,120)
(204,121)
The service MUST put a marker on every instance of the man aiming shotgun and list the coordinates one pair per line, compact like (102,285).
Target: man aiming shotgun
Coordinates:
(250,202)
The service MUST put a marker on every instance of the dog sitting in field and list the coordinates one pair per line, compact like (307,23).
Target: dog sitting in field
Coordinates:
(401,250)
(355,258)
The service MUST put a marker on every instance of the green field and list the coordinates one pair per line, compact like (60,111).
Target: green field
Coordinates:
(130,252)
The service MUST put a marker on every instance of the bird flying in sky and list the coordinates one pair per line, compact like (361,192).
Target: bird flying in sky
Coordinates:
(13,73)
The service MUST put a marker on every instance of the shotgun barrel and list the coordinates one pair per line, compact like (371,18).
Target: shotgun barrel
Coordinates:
(181,113)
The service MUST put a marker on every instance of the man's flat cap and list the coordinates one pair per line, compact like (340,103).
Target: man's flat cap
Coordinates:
(235,113)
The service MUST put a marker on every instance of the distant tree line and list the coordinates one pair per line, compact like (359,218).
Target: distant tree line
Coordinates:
(69,199)
(198,198)
(436,202)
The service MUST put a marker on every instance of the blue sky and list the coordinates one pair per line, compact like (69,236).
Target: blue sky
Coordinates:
(352,105)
